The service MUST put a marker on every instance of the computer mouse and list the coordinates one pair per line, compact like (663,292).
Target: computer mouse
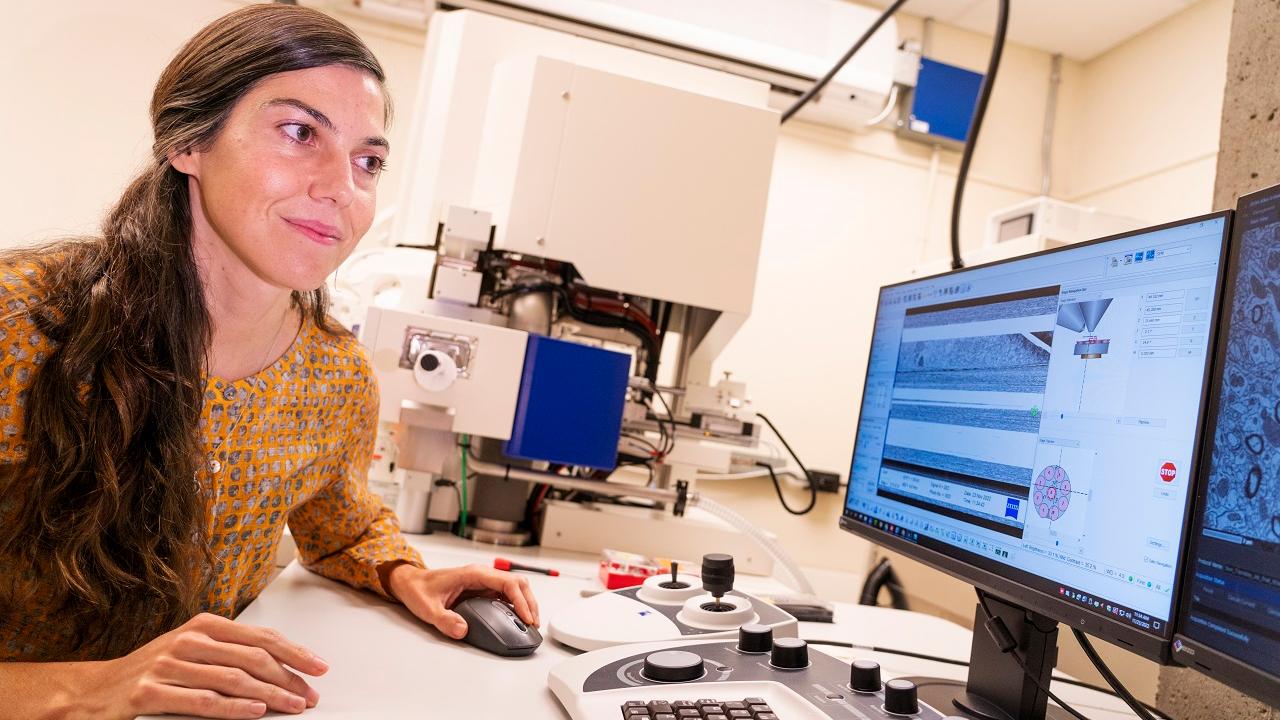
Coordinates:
(493,625)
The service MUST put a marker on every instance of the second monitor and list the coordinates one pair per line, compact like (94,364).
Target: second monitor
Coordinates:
(1031,427)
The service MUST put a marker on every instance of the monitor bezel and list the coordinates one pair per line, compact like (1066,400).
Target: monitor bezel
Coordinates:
(1189,652)
(1094,623)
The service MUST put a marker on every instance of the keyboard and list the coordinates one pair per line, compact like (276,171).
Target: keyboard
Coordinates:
(752,708)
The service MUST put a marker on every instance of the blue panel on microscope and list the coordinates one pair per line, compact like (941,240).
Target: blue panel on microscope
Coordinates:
(570,405)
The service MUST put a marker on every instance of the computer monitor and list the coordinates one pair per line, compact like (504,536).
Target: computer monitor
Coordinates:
(1229,623)
(1031,427)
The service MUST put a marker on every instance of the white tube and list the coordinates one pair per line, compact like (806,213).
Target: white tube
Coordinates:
(798,579)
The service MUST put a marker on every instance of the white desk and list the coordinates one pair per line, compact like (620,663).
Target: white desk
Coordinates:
(386,664)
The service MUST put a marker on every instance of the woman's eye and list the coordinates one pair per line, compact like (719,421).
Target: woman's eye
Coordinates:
(372,164)
(299,132)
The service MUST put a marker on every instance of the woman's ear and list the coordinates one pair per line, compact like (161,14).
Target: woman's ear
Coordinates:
(186,162)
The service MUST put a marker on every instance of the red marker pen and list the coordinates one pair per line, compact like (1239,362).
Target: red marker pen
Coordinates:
(505,564)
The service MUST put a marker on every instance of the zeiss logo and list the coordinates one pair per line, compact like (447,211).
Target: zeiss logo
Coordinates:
(1179,646)
(645,613)
(1011,508)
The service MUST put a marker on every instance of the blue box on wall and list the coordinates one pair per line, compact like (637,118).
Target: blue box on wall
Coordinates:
(570,406)
(942,103)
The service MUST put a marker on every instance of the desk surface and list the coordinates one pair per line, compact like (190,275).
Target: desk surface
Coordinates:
(386,664)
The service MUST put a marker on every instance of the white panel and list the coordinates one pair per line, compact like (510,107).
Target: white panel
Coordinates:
(482,404)
(462,51)
(647,189)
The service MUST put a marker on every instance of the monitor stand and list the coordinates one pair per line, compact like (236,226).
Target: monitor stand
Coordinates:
(997,688)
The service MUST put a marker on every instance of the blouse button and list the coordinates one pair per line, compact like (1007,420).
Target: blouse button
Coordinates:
(215,467)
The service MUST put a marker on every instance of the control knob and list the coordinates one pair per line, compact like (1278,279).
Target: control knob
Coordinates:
(789,654)
(900,697)
(753,638)
(864,676)
(717,574)
(672,666)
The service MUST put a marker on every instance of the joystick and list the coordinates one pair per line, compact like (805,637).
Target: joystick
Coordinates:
(674,583)
(717,580)
(673,606)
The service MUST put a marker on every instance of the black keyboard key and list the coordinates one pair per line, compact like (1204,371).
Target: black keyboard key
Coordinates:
(636,713)
(739,713)
(735,705)
(659,706)
(754,701)
(665,716)
(757,710)
(766,716)
(717,716)
(688,713)
(678,704)
(709,708)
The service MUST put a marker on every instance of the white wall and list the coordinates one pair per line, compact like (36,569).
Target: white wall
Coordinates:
(1139,134)
(75,84)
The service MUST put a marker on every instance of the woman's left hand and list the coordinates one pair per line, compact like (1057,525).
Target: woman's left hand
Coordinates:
(430,593)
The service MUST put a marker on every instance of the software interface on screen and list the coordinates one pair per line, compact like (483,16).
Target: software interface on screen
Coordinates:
(1037,418)
(1234,571)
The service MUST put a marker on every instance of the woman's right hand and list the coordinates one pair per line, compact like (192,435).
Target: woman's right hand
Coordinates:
(209,667)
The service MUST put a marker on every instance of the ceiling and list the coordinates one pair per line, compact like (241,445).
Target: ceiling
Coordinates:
(1079,29)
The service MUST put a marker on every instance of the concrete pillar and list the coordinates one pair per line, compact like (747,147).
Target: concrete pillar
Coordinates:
(1248,160)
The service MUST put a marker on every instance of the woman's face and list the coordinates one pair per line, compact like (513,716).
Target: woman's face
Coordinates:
(287,188)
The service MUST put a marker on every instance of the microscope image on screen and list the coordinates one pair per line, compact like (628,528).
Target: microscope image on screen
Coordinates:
(1247,441)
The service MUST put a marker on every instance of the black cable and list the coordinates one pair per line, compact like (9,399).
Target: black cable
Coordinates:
(1121,691)
(670,416)
(883,576)
(813,484)
(975,126)
(777,487)
(1013,652)
(965,663)
(817,87)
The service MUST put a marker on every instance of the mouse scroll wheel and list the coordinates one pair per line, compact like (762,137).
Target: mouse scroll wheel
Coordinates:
(522,626)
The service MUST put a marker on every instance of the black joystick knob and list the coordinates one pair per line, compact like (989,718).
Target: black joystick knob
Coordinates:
(672,666)
(789,654)
(717,573)
(675,583)
(754,638)
(864,676)
(900,697)
(429,362)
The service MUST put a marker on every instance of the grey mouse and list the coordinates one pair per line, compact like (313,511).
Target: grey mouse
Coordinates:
(493,625)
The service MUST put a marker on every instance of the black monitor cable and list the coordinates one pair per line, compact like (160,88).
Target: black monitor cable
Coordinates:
(975,125)
(777,486)
(1122,692)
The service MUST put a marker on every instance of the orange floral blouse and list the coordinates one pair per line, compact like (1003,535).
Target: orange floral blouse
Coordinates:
(290,444)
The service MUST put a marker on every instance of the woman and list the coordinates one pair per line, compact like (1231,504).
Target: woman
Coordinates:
(172,393)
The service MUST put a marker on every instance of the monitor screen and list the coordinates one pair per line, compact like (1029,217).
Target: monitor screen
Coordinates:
(1031,426)
(1230,621)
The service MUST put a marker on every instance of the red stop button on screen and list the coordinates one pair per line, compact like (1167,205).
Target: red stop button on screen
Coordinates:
(1168,472)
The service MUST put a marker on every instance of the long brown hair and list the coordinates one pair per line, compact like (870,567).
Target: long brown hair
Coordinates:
(110,521)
